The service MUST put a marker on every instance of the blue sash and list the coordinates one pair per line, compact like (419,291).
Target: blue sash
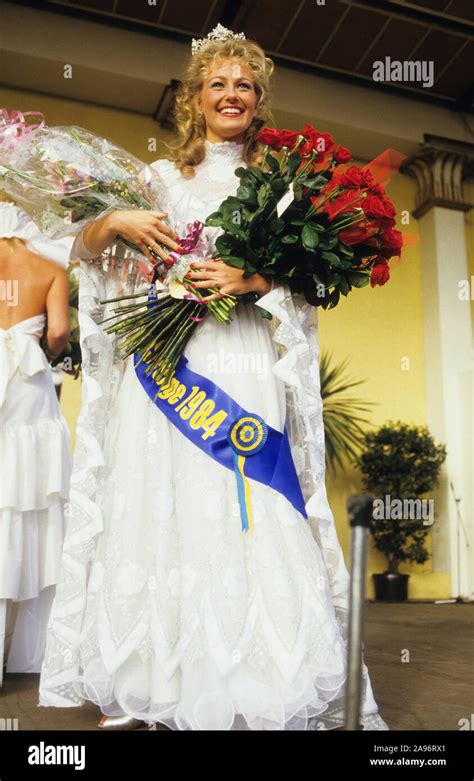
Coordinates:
(214,422)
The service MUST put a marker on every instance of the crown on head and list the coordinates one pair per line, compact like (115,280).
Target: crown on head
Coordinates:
(219,33)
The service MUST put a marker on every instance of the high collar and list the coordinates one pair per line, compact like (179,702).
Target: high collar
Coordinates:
(224,150)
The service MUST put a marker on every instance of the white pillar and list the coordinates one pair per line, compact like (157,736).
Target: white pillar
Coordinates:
(449,357)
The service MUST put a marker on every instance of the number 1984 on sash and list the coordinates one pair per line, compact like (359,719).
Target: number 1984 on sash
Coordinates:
(194,407)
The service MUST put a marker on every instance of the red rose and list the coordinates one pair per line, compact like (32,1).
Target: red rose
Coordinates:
(379,210)
(288,138)
(343,203)
(341,154)
(358,233)
(353,177)
(277,138)
(389,207)
(377,189)
(373,206)
(321,143)
(324,143)
(380,273)
(271,137)
(391,242)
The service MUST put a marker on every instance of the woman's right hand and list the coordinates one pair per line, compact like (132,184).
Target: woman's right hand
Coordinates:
(145,229)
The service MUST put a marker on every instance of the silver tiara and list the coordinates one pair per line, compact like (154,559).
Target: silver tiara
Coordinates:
(219,33)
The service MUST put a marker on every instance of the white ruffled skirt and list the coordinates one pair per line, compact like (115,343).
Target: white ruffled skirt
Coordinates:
(34,486)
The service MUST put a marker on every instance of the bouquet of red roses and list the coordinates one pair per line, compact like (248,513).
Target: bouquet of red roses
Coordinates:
(309,219)
(305,217)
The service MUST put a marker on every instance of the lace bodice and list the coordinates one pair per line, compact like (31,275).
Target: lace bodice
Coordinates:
(194,199)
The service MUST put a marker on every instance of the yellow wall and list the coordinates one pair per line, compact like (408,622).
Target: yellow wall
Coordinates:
(130,130)
(376,328)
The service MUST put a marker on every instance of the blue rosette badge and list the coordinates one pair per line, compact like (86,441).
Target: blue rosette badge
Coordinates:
(246,436)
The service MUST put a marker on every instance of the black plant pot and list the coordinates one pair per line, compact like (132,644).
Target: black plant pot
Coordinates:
(391,587)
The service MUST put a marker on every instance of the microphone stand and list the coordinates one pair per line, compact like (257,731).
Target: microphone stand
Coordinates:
(459,526)
(360,512)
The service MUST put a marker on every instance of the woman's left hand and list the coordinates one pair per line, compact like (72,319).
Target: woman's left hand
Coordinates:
(213,272)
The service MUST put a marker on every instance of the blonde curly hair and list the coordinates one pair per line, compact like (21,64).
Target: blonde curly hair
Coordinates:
(189,149)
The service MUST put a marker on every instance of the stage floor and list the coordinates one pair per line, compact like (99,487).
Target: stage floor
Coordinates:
(432,690)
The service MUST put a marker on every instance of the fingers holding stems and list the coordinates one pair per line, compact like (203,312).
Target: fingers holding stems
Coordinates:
(147,231)
(214,273)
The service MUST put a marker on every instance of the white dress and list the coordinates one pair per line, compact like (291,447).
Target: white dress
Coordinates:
(34,486)
(166,610)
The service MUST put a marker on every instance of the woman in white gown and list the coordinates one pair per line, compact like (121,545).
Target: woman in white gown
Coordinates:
(166,611)
(34,443)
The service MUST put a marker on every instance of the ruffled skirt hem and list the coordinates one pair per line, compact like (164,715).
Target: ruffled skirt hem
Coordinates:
(30,549)
(39,464)
(245,701)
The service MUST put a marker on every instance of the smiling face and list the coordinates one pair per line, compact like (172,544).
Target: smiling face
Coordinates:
(228,100)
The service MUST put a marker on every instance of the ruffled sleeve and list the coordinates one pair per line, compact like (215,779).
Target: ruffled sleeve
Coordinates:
(79,250)
(172,188)
(296,337)
(169,176)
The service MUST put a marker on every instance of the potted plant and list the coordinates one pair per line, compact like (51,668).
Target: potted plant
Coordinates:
(399,463)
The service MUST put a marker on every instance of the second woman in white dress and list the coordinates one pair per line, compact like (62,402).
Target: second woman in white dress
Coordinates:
(34,444)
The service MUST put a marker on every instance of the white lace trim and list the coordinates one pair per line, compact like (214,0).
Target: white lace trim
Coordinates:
(228,151)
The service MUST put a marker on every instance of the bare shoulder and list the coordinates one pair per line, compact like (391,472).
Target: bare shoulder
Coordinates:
(45,266)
